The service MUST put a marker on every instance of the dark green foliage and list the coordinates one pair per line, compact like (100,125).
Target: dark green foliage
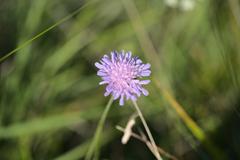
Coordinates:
(50,101)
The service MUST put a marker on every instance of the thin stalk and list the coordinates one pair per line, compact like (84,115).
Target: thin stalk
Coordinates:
(194,127)
(95,143)
(61,21)
(147,130)
(152,56)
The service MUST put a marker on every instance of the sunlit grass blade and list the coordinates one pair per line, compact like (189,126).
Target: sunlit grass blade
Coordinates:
(44,32)
(192,125)
(48,123)
(67,51)
(151,54)
(31,24)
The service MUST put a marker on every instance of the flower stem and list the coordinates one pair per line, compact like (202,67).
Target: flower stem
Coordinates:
(157,155)
(95,143)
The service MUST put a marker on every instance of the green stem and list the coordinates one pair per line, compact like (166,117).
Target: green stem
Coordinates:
(95,143)
(147,130)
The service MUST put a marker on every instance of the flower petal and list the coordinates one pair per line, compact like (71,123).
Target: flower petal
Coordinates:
(145,92)
(144,82)
(121,102)
(103,82)
(98,65)
(146,66)
(116,95)
(145,73)
(101,73)
(106,93)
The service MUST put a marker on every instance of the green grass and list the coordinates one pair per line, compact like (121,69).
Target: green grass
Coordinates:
(50,99)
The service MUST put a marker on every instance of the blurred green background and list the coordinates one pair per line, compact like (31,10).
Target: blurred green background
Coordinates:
(51,101)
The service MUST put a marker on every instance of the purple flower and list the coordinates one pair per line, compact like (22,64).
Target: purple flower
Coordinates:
(120,72)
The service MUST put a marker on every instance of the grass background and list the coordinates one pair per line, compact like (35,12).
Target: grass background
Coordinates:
(51,101)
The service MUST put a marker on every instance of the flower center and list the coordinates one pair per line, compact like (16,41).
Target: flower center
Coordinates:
(121,75)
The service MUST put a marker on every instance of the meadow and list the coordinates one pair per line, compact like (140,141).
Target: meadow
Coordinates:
(51,102)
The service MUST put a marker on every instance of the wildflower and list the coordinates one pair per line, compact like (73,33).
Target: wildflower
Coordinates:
(120,71)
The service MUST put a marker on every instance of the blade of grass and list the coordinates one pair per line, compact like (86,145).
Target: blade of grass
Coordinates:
(50,122)
(32,22)
(192,125)
(67,51)
(79,151)
(44,32)
(95,142)
(141,33)
(151,55)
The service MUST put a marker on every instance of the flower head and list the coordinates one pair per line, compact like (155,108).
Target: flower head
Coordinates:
(120,71)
